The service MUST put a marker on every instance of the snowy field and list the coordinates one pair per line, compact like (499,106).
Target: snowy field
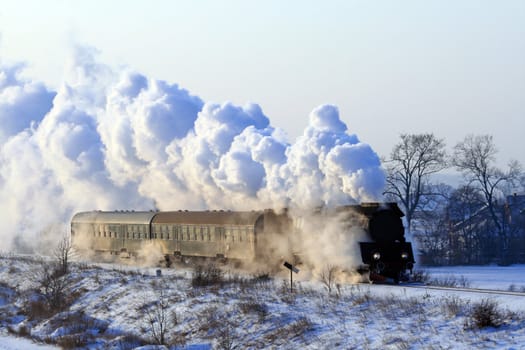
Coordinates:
(111,305)
(488,277)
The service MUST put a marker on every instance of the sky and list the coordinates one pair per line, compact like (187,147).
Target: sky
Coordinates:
(448,67)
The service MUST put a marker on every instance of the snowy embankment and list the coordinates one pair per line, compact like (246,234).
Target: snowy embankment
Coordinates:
(117,307)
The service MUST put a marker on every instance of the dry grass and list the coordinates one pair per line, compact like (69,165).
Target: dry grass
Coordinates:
(205,276)
(485,313)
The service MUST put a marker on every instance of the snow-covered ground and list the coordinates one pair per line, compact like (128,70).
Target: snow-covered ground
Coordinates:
(111,306)
(16,343)
(488,277)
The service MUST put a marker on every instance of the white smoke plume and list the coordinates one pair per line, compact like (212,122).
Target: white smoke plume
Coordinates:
(119,140)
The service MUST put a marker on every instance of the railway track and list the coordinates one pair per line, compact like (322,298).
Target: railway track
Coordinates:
(468,290)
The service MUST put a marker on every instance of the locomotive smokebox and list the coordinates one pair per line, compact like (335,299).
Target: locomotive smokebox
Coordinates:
(388,255)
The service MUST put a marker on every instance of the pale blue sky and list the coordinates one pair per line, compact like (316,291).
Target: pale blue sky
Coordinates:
(447,67)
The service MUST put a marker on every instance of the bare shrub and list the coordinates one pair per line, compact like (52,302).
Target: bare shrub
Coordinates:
(21,331)
(208,319)
(253,306)
(421,276)
(483,314)
(454,306)
(53,280)
(360,297)
(295,329)
(54,286)
(300,327)
(327,277)
(262,278)
(227,336)
(126,342)
(158,317)
(515,288)
(285,294)
(36,309)
(13,269)
(257,281)
(209,275)
(450,282)
(73,341)
(77,330)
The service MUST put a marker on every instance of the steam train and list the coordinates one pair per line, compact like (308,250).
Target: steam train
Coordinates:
(262,236)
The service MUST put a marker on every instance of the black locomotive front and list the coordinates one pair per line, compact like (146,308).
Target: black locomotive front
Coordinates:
(388,255)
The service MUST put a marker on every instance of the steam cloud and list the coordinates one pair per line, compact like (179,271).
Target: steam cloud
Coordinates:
(119,140)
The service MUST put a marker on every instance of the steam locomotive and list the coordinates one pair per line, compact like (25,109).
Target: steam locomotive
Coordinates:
(241,235)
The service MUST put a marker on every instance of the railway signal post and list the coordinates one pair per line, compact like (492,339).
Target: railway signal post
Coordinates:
(292,270)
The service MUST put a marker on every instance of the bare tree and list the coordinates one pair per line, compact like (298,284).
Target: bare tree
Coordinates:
(158,317)
(53,279)
(475,157)
(409,167)
(54,286)
(327,276)
(432,223)
(467,227)
(62,254)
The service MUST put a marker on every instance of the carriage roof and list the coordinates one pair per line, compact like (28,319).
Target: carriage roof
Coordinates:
(213,217)
(115,217)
